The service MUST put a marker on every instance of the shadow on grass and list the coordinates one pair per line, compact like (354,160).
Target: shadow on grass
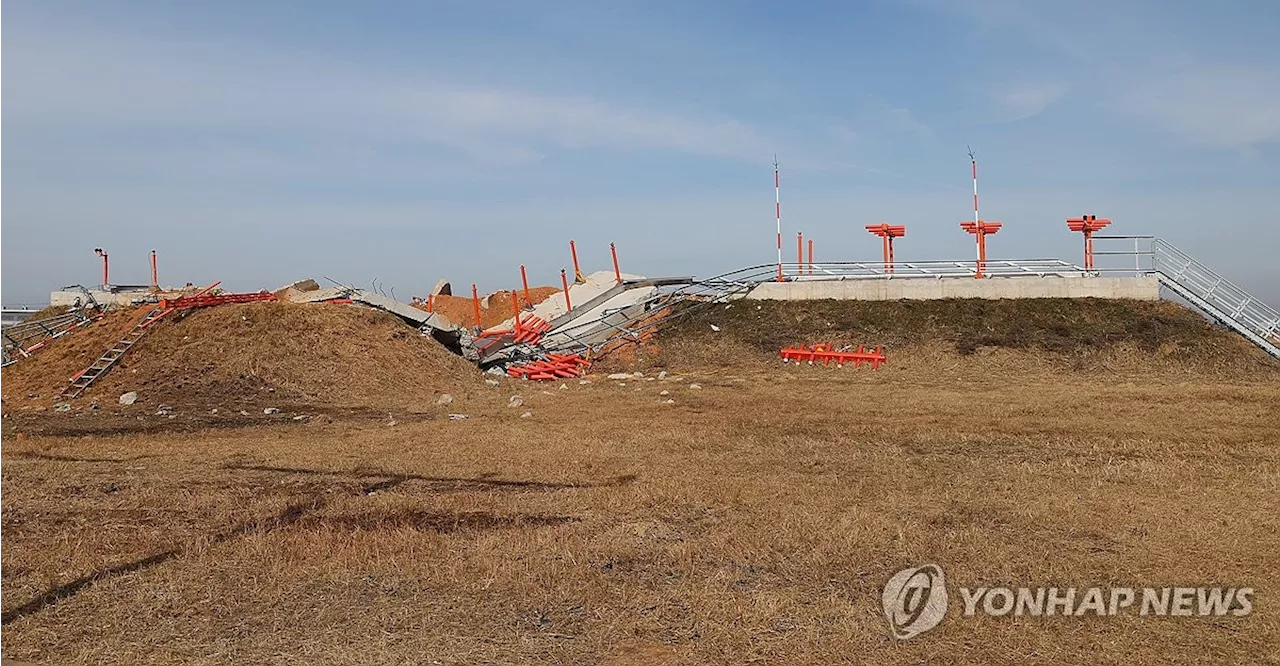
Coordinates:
(439,483)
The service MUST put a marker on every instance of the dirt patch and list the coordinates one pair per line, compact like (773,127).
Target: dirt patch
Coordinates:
(47,371)
(49,311)
(461,310)
(250,355)
(337,355)
(426,521)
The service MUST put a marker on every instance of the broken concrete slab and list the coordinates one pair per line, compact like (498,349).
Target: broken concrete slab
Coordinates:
(419,318)
(303,285)
(442,288)
(317,295)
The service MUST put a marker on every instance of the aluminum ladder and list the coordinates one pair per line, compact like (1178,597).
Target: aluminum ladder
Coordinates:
(1216,296)
(100,367)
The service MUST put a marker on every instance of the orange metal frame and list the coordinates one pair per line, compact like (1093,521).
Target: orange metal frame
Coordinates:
(888,232)
(981,229)
(826,354)
(1087,224)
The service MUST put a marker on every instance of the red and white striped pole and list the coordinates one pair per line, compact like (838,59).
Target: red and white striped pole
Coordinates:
(973,162)
(777,211)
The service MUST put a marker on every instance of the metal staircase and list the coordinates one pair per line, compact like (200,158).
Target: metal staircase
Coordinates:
(1216,296)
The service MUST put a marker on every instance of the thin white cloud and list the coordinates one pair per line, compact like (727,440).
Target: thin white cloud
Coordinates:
(1027,101)
(1224,106)
(103,81)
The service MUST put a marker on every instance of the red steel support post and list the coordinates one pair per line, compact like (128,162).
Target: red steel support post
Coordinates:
(564,280)
(524,279)
(515,308)
(577,273)
(981,229)
(106,268)
(887,232)
(475,304)
(1087,224)
(617,274)
(155,277)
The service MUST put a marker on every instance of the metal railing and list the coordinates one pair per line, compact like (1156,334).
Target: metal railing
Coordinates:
(1202,287)
(900,270)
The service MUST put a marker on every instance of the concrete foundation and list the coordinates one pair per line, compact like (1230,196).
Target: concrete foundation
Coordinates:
(1142,288)
(124,298)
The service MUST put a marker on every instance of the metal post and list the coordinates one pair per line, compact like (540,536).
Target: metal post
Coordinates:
(777,210)
(577,274)
(475,304)
(524,279)
(431,302)
(799,252)
(155,281)
(811,256)
(617,274)
(515,307)
(564,281)
(106,274)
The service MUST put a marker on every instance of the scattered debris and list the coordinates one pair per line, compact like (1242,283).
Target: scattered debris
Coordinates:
(129,398)
(620,376)
(664,393)
(493,382)
(446,399)
(515,401)
(695,386)
(526,415)
(270,410)
(62,407)
(826,353)
(662,375)
(458,417)
(715,328)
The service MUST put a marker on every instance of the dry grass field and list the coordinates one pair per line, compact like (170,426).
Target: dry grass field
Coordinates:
(754,520)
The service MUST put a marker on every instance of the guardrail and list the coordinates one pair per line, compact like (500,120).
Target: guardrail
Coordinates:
(900,270)
(1202,287)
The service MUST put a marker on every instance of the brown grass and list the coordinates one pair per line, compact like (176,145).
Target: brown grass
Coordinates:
(47,371)
(1090,334)
(49,311)
(754,520)
(248,354)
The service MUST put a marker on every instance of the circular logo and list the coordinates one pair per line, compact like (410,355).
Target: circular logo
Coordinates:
(915,600)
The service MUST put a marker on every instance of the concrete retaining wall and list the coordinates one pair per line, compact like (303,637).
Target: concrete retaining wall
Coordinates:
(1143,288)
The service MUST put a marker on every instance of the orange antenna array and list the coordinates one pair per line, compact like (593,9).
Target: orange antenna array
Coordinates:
(888,232)
(981,229)
(1087,224)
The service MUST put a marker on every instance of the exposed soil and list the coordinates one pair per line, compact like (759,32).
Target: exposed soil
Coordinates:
(250,356)
(461,310)
(1063,328)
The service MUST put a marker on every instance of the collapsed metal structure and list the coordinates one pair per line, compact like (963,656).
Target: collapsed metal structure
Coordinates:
(551,344)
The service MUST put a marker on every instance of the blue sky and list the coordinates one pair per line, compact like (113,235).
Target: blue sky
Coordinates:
(259,142)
